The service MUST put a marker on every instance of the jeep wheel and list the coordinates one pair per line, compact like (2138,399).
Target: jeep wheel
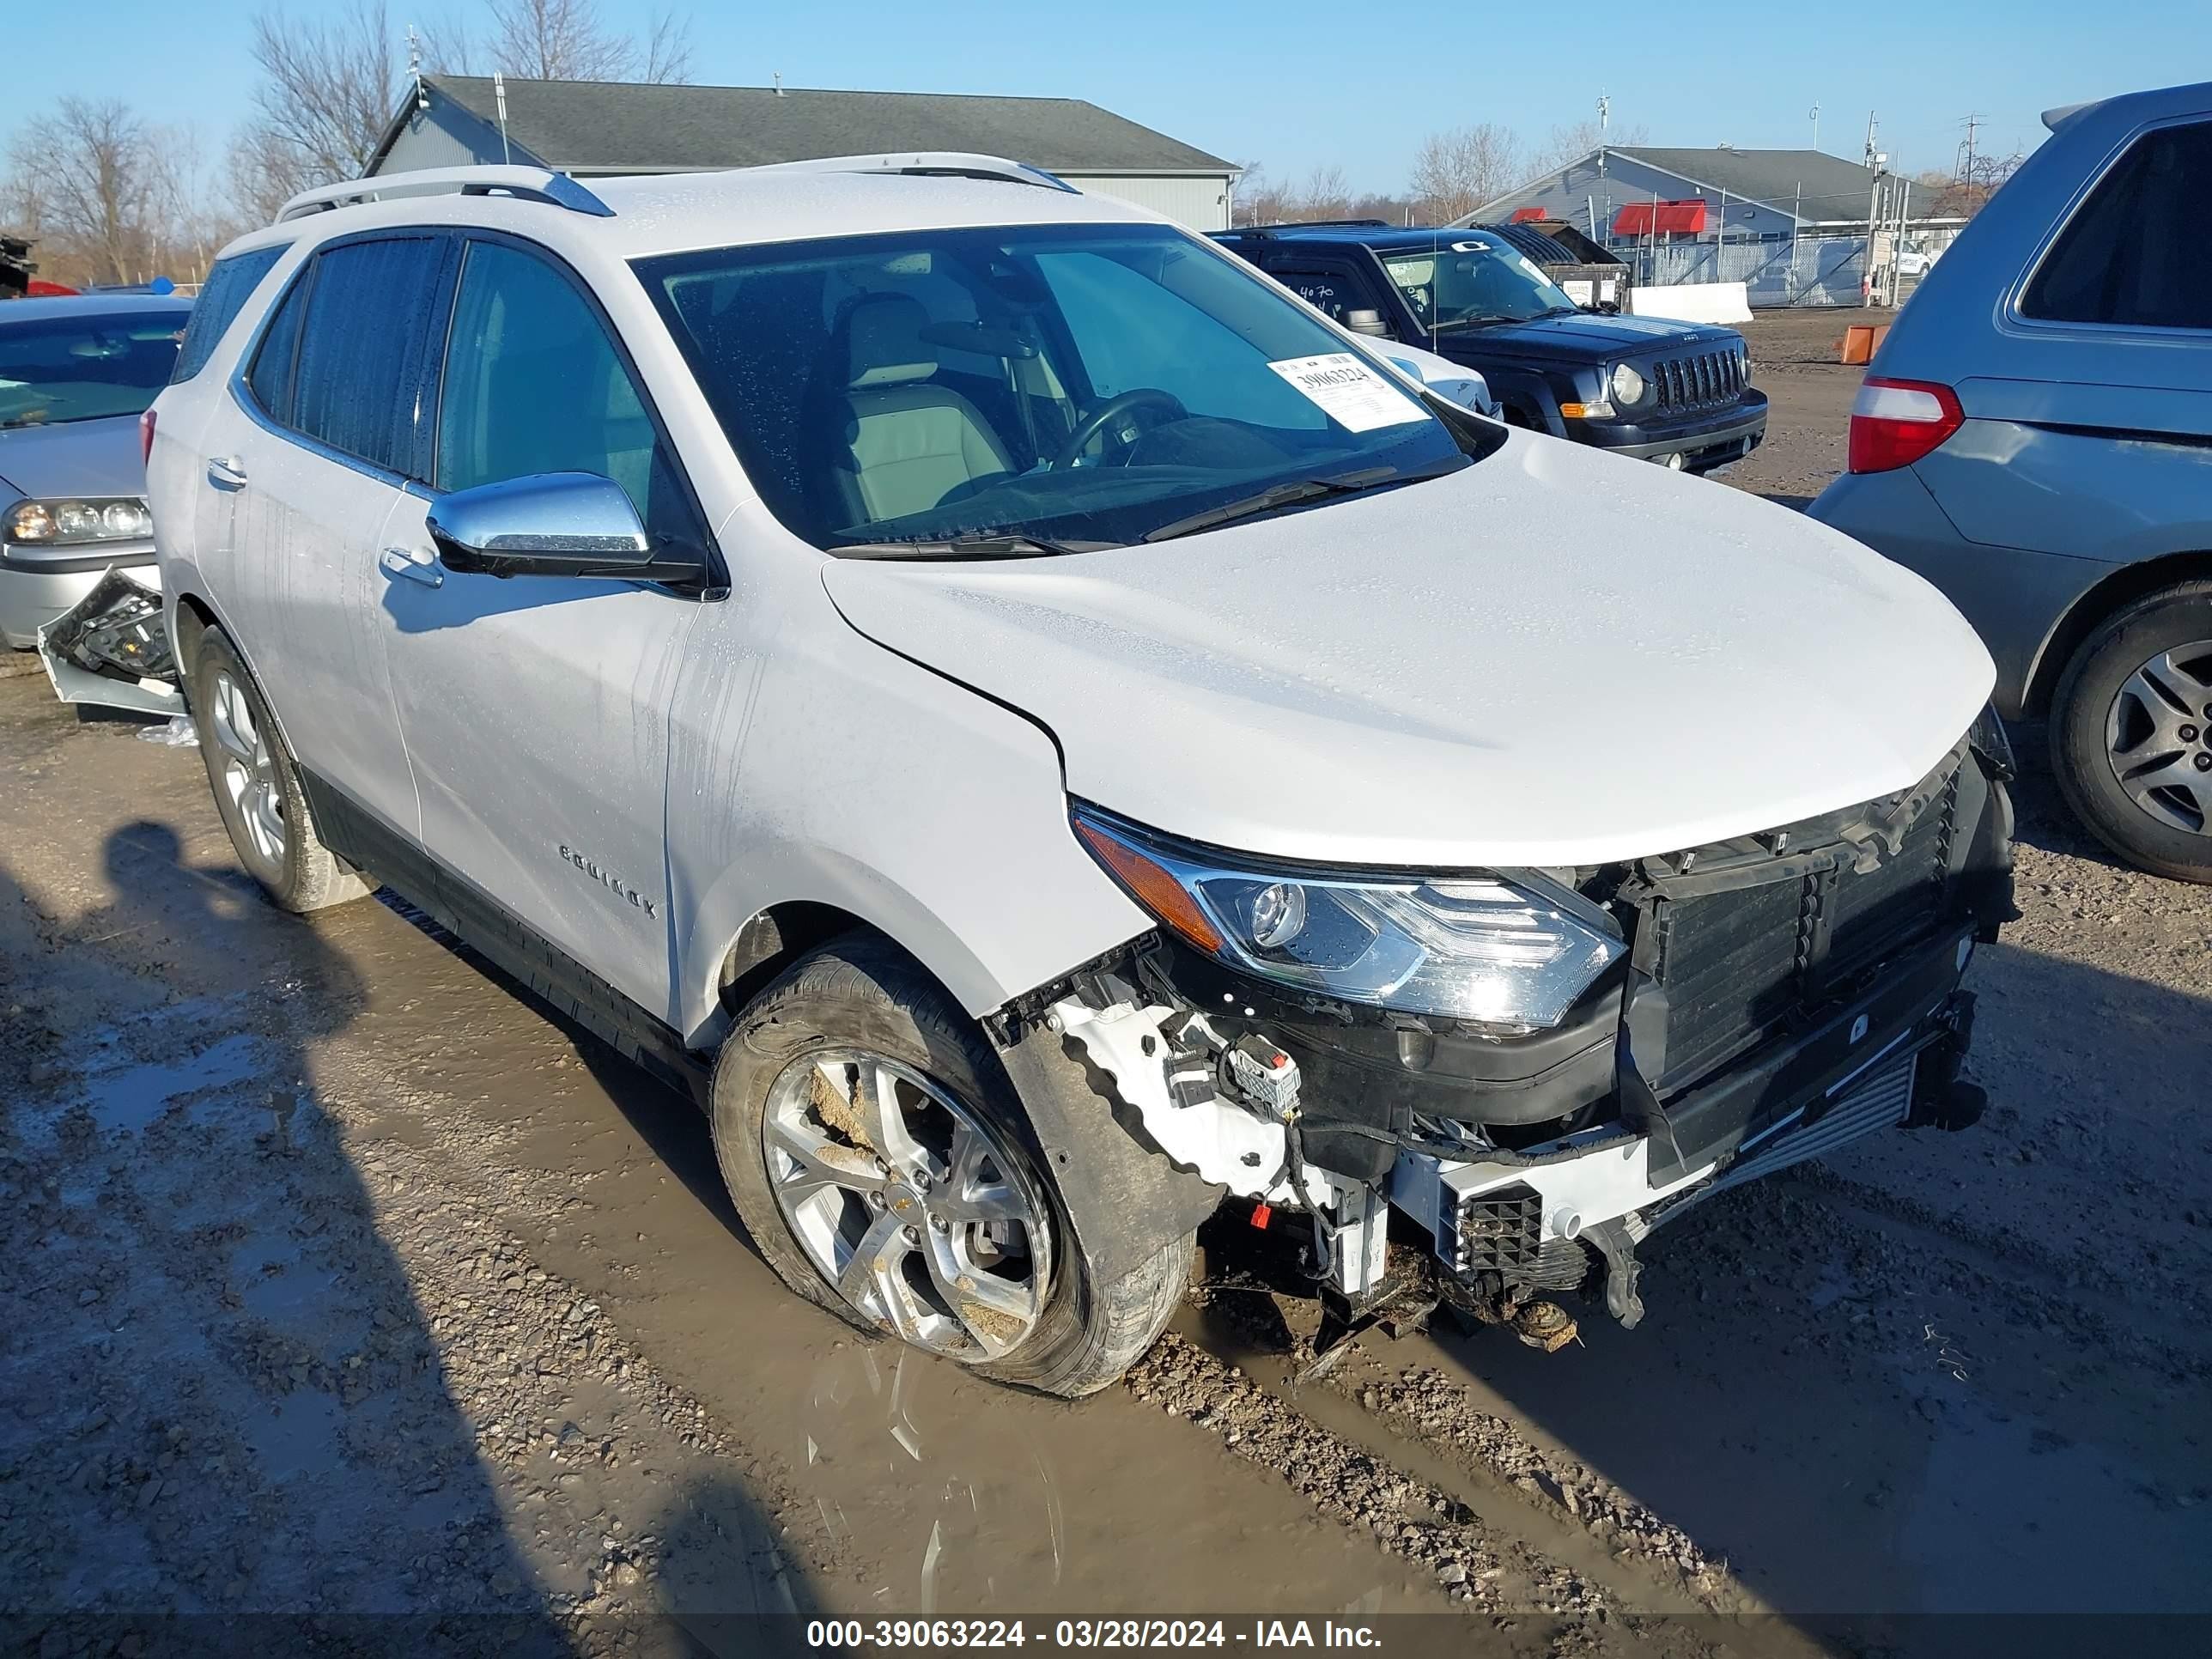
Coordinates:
(256,787)
(878,1158)
(2131,732)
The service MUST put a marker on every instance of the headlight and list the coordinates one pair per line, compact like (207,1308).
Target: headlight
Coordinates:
(1747,365)
(98,519)
(1627,385)
(1511,956)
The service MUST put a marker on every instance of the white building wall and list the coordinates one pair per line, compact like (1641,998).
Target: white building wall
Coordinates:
(1199,202)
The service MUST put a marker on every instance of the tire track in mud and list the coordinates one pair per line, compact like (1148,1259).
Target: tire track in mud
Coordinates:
(1530,1598)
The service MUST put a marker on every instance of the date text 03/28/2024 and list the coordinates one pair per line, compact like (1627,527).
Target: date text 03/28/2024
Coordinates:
(940,1633)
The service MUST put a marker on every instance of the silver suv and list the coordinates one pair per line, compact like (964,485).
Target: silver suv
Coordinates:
(2033,439)
(1047,736)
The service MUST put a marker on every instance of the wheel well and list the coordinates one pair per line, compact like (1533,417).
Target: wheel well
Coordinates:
(2123,588)
(772,940)
(193,619)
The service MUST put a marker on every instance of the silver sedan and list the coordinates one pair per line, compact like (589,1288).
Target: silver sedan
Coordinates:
(75,373)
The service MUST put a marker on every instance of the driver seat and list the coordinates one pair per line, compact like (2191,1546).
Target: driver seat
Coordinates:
(908,441)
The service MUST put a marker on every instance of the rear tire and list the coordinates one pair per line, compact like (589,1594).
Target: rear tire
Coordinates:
(257,786)
(790,1082)
(2131,732)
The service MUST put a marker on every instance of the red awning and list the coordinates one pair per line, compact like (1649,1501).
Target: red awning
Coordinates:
(1647,218)
(1528,215)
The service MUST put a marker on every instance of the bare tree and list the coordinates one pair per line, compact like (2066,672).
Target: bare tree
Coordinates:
(1456,172)
(1575,140)
(87,178)
(328,91)
(567,40)
(1965,191)
(191,204)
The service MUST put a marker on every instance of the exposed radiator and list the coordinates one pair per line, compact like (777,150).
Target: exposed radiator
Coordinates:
(1879,1101)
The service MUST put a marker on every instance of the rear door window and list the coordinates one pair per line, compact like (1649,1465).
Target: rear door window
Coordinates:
(271,377)
(362,382)
(229,283)
(2131,255)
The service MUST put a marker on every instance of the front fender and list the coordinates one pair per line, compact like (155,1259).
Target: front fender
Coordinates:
(828,769)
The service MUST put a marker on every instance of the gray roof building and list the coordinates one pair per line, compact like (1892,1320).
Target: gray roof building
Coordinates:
(1756,191)
(586,127)
(1780,178)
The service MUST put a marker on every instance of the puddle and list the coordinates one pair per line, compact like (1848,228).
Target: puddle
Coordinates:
(299,1298)
(2009,1516)
(983,1515)
(134,1096)
(297,1435)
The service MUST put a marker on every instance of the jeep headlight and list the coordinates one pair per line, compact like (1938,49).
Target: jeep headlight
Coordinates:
(1510,954)
(86,518)
(1627,385)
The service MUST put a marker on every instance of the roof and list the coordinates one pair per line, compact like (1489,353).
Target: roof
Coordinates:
(1384,239)
(40,307)
(608,126)
(1772,176)
(670,213)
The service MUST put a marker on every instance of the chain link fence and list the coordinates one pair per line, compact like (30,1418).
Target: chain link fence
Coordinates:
(1802,270)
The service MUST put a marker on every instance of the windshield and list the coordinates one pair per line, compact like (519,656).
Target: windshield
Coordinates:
(1472,281)
(1075,385)
(58,369)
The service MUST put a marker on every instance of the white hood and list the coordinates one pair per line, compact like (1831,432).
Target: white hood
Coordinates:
(1552,657)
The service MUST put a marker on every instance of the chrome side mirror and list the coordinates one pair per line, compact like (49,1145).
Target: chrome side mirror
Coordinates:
(1361,320)
(553,524)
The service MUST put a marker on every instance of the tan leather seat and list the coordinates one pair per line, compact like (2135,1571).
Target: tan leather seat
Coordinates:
(912,442)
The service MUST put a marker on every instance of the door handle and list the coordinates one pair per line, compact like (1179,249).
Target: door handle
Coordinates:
(413,566)
(226,471)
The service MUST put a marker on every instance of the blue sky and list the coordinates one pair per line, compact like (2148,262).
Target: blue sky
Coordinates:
(1297,85)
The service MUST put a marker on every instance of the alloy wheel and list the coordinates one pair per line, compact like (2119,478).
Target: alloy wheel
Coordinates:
(2157,736)
(909,1203)
(249,772)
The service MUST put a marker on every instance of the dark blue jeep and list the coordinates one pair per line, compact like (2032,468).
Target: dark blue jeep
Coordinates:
(1678,393)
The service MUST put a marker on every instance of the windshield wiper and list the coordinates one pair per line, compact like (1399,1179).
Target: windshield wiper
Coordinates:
(994,545)
(1282,494)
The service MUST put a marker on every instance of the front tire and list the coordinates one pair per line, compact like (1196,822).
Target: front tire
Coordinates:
(256,786)
(880,1160)
(2131,732)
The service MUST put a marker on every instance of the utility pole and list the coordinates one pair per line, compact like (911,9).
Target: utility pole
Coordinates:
(1813,116)
(1973,121)
(1604,117)
(1873,127)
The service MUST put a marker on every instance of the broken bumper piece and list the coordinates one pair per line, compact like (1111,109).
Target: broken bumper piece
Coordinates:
(1548,1218)
(111,648)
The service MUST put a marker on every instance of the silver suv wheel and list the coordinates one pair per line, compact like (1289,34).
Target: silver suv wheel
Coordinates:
(248,773)
(907,1203)
(2157,736)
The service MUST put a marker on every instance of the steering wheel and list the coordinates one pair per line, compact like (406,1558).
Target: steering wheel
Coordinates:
(1122,403)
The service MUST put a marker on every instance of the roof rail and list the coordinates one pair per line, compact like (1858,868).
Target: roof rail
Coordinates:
(929,164)
(526,184)
(1308,224)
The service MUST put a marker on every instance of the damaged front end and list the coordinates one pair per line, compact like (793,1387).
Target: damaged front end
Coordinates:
(112,648)
(1535,1069)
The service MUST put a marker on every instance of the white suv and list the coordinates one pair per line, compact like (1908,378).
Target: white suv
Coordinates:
(1049,737)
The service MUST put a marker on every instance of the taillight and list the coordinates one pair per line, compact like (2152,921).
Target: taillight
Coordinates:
(1895,423)
(146,437)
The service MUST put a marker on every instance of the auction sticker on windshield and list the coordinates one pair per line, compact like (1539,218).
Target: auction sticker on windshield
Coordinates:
(1348,391)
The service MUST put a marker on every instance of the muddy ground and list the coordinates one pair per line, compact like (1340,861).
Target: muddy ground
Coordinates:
(341,1279)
